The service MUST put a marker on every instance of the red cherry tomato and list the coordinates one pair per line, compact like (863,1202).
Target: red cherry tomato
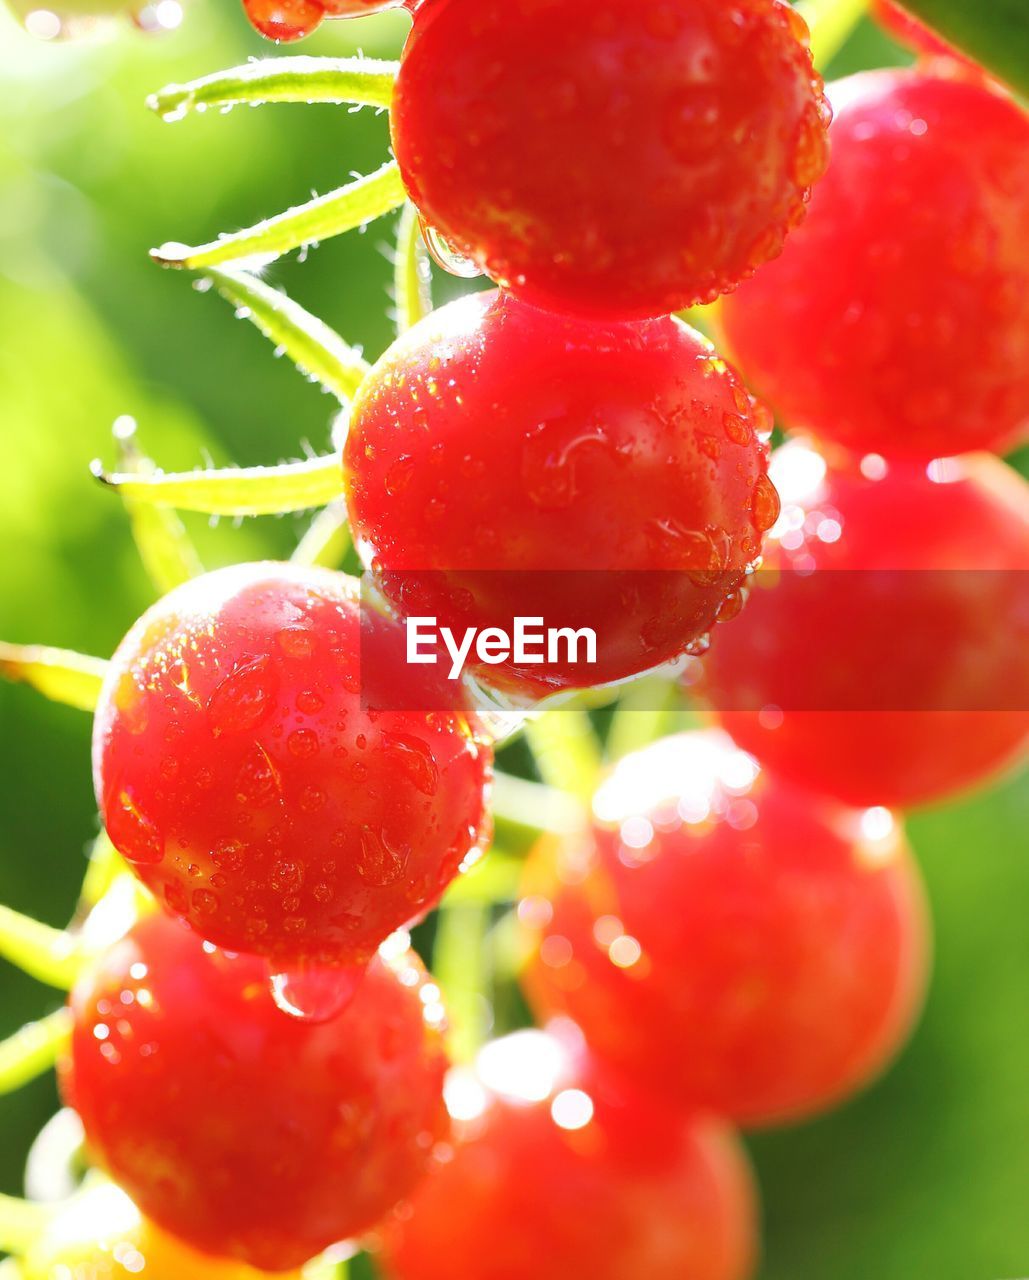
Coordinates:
(504,461)
(284,20)
(612,159)
(242,771)
(897,320)
(891,669)
(243,1132)
(558,1173)
(100,1235)
(727,939)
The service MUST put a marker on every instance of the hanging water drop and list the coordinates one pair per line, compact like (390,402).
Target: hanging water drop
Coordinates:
(445,255)
(315,993)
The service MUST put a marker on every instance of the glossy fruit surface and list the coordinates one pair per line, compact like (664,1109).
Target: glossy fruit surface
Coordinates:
(897,320)
(242,769)
(505,461)
(887,663)
(726,938)
(558,1173)
(244,1132)
(617,160)
(100,1235)
(284,20)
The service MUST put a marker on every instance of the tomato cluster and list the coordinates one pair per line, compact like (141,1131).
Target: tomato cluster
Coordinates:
(287,20)
(731,938)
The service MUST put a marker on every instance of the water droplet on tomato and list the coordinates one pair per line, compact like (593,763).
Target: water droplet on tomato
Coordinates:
(445,255)
(315,993)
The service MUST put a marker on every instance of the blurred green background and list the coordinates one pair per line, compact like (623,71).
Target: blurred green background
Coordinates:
(927,1175)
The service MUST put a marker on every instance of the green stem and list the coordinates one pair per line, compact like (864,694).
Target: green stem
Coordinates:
(566,750)
(236,491)
(315,349)
(33,1050)
(49,955)
(534,805)
(59,674)
(105,866)
(361,81)
(330,215)
(412,272)
(327,539)
(461,966)
(995,34)
(831,23)
(641,716)
(20,1223)
(164,546)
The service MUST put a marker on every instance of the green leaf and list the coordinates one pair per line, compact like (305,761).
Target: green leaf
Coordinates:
(315,349)
(236,491)
(412,273)
(50,955)
(164,546)
(995,34)
(330,215)
(63,676)
(361,81)
(27,1054)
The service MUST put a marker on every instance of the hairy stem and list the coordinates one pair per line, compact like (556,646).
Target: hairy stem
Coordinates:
(236,491)
(31,1051)
(412,272)
(315,349)
(330,215)
(50,955)
(361,81)
(60,674)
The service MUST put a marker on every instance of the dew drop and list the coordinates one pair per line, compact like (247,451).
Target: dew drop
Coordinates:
(764,504)
(315,993)
(378,864)
(415,759)
(445,255)
(243,699)
(133,834)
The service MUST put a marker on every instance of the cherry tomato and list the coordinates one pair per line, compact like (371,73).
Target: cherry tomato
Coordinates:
(897,320)
(256,790)
(243,1132)
(505,462)
(725,938)
(559,1172)
(886,664)
(612,159)
(100,1235)
(284,20)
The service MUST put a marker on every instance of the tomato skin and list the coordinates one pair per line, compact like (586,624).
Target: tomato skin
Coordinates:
(895,688)
(897,320)
(246,1133)
(727,939)
(505,461)
(100,1235)
(284,21)
(669,1196)
(617,161)
(240,770)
